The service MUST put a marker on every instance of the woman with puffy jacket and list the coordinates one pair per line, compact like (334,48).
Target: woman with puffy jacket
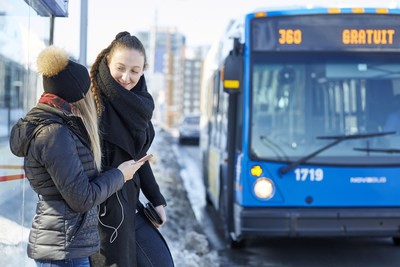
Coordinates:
(60,143)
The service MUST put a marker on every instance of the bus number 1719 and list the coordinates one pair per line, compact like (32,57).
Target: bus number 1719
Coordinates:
(313,175)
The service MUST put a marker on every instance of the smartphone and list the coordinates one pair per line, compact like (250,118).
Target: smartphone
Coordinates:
(147,157)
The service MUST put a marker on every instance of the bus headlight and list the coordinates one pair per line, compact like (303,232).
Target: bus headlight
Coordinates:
(264,188)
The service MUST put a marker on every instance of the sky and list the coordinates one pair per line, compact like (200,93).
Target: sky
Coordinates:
(201,21)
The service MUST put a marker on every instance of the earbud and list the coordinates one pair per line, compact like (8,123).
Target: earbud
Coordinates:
(104,212)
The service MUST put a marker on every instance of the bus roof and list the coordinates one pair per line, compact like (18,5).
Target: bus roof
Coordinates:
(301,10)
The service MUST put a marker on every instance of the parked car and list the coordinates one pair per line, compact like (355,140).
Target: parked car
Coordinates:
(189,129)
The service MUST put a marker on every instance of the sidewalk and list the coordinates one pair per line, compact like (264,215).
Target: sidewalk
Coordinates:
(189,245)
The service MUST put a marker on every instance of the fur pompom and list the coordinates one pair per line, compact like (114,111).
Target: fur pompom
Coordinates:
(51,61)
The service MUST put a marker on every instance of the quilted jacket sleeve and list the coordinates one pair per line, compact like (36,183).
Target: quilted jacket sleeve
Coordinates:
(70,165)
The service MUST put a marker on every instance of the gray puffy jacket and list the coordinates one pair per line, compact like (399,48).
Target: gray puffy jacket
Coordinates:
(60,168)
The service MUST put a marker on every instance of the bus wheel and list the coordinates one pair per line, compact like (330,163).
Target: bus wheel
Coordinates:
(208,198)
(223,214)
(396,241)
(234,242)
(237,244)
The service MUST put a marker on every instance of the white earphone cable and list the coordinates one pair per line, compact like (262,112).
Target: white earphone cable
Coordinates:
(115,232)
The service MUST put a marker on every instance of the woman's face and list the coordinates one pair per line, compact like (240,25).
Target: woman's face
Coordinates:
(126,67)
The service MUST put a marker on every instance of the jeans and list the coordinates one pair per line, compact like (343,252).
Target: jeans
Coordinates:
(82,262)
(151,248)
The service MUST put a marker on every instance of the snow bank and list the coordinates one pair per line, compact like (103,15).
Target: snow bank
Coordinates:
(188,244)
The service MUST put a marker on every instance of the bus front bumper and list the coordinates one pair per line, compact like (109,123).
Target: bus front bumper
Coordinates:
(317,221)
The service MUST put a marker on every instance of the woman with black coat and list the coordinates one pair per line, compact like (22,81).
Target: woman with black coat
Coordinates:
(60,144)
(126,108)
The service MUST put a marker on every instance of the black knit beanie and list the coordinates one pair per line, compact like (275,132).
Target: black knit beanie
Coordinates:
(62,76)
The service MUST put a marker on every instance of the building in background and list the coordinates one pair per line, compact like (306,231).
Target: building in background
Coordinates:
(173,75)
(192,80)
(165,48)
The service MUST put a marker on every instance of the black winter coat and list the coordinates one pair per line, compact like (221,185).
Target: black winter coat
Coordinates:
(60,168)
(127,134)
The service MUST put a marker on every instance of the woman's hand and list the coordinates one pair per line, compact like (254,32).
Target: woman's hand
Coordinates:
(129,168)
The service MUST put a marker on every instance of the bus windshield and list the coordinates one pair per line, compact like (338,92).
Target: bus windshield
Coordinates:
(300,100)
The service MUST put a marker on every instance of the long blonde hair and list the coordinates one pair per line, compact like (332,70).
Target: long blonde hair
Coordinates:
(86,109)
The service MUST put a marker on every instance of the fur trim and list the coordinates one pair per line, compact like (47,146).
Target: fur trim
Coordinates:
(51,61)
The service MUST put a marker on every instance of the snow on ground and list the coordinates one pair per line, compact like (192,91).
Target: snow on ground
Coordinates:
(187,242)
(13,244)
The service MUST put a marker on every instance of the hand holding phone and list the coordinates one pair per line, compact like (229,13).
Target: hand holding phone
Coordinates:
(147,157)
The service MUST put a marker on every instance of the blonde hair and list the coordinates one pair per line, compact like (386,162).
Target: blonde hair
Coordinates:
(86,108)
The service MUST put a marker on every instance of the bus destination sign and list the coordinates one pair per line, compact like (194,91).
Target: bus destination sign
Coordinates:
(326,32)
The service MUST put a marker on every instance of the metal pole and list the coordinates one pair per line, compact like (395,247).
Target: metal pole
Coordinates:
(51,33)
(83,32)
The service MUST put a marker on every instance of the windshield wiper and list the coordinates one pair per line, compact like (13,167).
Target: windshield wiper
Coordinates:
(379,150)
(338,139)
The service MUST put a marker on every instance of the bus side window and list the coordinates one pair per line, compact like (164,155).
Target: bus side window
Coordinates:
(240,123)
(215,105)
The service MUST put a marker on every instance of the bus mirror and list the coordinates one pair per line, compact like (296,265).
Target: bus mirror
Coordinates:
(232,73)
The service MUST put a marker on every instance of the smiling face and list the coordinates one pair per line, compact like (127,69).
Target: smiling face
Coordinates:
(126,66)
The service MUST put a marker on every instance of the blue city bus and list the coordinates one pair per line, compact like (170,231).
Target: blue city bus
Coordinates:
(300,124)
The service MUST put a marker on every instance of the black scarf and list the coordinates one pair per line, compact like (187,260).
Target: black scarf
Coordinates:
(126,118)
